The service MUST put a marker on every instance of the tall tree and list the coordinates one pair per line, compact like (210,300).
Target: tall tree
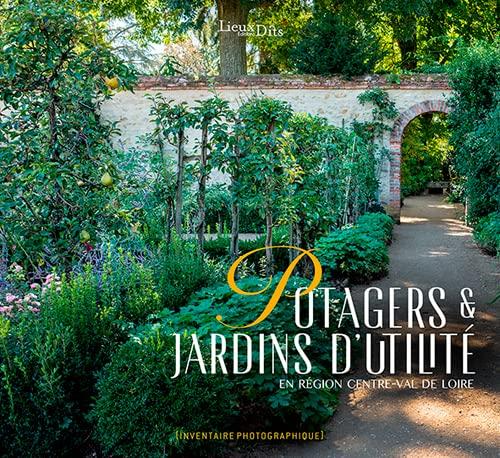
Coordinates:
(423,31)
(177,16)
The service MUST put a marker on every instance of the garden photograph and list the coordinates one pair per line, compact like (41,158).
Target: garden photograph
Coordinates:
(249,228)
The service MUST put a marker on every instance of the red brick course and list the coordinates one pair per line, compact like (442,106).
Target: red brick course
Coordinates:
(417,81)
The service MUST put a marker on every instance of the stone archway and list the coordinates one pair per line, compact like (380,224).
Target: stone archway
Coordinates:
(429,106)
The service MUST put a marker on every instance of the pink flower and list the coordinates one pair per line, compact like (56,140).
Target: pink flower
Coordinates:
(16,267)
(10,298)
(34,286)
(7,309)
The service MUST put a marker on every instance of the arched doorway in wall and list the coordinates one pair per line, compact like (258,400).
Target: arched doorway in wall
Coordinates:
(396,139)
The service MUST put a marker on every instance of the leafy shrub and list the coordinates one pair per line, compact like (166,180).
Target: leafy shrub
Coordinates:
(80,304)
(352,253)
(359,252)
(50,120)
(39,414)
(474,123)
(139,407)
(180,271)
(487,233)
(378,223)
(128,288)
(261,400)
(218,211)
(217,247)
(48,363)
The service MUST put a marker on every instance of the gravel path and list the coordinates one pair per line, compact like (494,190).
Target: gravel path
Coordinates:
(431,248)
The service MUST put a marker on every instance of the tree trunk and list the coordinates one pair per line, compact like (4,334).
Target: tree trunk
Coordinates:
(232,46)
(235,227)
(269,241)
(405,33)
(179,183)
(221,227)
(408,50)
(169,201)
(168,217)
(202,184)
(235,207)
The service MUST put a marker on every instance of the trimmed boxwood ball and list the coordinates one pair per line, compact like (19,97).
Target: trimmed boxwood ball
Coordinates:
(139,407)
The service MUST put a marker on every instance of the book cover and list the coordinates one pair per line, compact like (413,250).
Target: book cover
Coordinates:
(249,228)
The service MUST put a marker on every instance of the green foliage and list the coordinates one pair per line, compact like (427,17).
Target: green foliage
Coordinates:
(219,247)
(54,147)
(357,253)
(179,270)
(422,34)
(378,224)
(48,360)
(290,17)
(48,363)
(283,166)
(129,289)
(259,395)
(140,408)
(309,182)
(475,122)
(353,173)
(332,44)
(425,154)
(218,211)
(172,18)
(487,233)
(39,415)
(373,131)
(260,134)
(383,107)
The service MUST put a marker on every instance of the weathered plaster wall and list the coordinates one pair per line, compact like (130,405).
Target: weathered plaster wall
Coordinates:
(334,99)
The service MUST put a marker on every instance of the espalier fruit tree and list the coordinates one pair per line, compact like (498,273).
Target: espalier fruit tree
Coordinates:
(56,169)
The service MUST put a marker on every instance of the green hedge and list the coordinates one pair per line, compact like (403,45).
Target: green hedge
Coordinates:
(487,233)
(180,271)
(357,253)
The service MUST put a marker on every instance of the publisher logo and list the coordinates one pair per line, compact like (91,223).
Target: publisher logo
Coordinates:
(258,30)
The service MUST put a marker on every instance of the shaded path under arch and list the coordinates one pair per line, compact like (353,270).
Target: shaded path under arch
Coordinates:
(395,141)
